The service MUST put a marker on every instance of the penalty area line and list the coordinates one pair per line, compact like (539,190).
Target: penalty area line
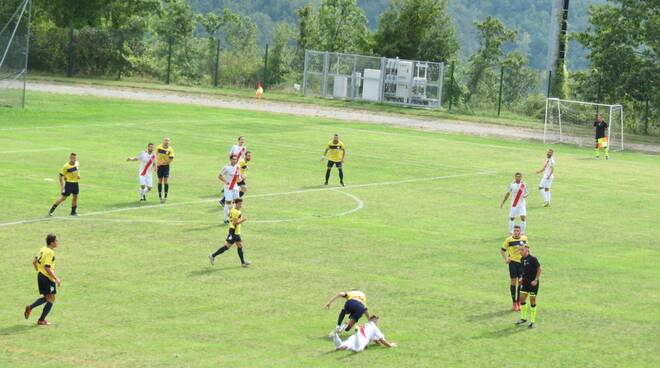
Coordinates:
(264,195)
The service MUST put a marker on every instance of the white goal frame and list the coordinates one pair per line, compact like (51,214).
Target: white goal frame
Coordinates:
(558,102)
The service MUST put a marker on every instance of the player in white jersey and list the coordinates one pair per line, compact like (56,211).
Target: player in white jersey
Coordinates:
(518,192)
(147,167)
(239,150)
(548,171)
(362,337)
(229,175)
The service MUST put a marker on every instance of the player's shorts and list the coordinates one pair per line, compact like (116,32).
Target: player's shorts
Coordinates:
(354,309)
(231,194)
(233,238)
(545,182)
(147,180)
(70,188)
(163,171)
(515,269)
(518,210)
(336,163)
(46,286)
(528,288)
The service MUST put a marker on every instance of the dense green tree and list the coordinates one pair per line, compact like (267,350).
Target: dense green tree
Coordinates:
(280,58)
(342,27)
(519,79)
(417,30)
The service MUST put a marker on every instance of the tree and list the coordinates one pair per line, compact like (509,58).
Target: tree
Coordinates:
(519,79)
(306,32)
(342,27)
(492,35)
(281,56)
(416,30)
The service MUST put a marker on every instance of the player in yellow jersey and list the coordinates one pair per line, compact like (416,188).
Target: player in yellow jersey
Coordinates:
(243,168)
(68,178)
(47,280)
(355,307)
(164,157)
(510,252)
(236,219)
(336,152)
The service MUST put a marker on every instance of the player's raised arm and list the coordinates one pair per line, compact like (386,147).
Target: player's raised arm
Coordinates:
(334,298)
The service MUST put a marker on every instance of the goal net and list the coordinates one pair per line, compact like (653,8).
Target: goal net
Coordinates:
(14,45)
(572,122)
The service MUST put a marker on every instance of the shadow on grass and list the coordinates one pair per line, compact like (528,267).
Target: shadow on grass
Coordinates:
(204,228)
(489,315)
(211,270)
(504,332)
(16,329)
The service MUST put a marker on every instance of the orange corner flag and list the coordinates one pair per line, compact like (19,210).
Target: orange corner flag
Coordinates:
(260,90)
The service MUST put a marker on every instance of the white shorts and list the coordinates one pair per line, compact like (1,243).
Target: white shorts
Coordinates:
(545,182)
(231,194)
(519,210)
(147,180)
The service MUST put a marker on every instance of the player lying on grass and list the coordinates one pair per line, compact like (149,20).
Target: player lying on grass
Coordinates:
(355,307)
(69,178)
(234,236)
(363,336)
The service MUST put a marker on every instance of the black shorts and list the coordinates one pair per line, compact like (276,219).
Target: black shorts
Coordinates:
(515,269)
(70,188)
(163,171)
(241,183)
(232,238)
(354,309)
(528,288)
(46,286)
(336,163)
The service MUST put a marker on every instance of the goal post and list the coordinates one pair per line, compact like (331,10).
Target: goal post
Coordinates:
(14,47)
(570,121)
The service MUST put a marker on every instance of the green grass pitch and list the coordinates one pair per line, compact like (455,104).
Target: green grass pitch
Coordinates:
(417,227)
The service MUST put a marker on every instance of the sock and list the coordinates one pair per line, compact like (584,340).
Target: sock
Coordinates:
(513,293)
(543,194)
(523,311)
(227,208)
(240,255)
(141,193)
(160,190)
(220,250)
(38,302)
(523,226)
(167,189)
(511,223)
(532,316)
(337,340)
(342,314)
(327,175)
(46,310)
(52,209)
(73,209)
(341,175)
(597,152)
(549,196)
(240,194)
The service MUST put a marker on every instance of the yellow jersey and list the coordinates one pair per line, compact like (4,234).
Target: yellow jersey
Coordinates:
(512,247)
(46,259)
(71,173)
(336,151)
(235,214)
(243,167)
(163,155)
(357,295)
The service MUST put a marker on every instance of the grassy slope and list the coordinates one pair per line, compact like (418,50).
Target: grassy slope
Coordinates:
(142,294)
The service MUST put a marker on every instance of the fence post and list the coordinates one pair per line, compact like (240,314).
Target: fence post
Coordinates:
(499,98)
(69,69)
(169,58)
(381,95)
(265,81)
(121,55)
(305,66)
(451,86)
(326,65)
(217,65)
(549,83)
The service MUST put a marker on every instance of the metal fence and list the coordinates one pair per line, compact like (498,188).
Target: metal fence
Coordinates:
(375,79)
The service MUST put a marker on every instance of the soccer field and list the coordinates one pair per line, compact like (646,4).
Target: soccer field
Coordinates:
(418,228)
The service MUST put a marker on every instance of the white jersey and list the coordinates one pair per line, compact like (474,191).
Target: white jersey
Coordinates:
(518,192)
(238,151)
(363,336)
(548,171)
(147,162)
(228,172)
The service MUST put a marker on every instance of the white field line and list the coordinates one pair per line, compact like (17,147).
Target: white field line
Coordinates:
(185,203)
(34,150)
(70,126)
(359,206)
